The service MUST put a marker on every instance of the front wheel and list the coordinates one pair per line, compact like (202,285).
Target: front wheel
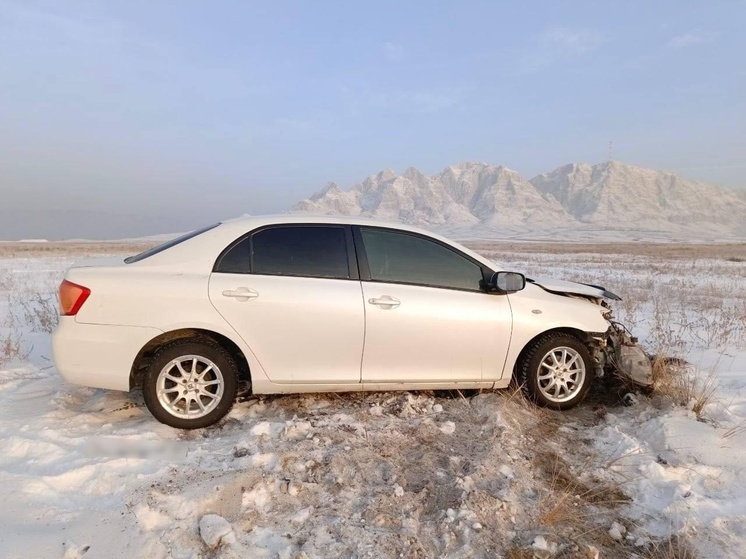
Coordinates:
(556,370)
(190,384)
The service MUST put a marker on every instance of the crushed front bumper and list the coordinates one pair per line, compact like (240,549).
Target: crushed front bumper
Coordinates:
(617,350)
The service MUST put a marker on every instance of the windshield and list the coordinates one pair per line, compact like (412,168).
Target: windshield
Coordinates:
(168,244)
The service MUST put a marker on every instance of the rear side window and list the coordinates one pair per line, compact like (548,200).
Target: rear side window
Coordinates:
(165,246)
(307,251)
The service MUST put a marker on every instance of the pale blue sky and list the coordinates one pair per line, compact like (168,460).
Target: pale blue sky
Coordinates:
(158,116)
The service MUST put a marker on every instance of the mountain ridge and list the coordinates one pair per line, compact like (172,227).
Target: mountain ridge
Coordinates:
(474,199)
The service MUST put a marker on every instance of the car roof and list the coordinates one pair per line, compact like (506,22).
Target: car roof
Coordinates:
(204,246)
(249,222)
(289,219)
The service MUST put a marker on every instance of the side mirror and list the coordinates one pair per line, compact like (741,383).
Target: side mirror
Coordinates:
(507,282)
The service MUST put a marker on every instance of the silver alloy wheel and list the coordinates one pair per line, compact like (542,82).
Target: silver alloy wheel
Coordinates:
(190,386)
(561,374)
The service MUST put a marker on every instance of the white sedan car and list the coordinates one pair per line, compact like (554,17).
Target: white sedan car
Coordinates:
(299,304)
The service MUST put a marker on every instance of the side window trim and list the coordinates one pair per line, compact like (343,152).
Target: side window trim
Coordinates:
(351,255)
(352,263)
(362,257)
(365,267)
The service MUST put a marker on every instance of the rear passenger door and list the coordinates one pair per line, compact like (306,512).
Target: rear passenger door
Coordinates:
(292,292)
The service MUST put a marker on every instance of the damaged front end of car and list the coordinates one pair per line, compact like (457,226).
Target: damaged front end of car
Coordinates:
(616,350)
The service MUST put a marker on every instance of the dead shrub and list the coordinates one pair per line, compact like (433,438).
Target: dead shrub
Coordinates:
(677,380)
(40,312)
(702,392)
(12,349)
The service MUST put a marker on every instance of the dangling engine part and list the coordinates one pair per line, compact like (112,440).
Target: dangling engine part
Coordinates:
(627,358)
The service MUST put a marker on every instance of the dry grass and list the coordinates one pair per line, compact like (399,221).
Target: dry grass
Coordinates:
(572,507)
(564,479)
(63,248)
(702,392)
(29,276)
(34,313)
(520,553)
(732,252)
(736,430)
(674,547)
(684,385)
(566,501)
(40,312)
(12,349)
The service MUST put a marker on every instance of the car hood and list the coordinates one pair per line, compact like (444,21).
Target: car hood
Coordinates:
(561,286)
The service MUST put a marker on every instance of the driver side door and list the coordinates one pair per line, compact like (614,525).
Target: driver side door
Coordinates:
(427,320)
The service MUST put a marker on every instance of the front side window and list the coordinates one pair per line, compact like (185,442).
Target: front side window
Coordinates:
(399,257)
(308,251)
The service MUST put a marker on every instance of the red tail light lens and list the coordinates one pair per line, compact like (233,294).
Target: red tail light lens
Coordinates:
(72,297)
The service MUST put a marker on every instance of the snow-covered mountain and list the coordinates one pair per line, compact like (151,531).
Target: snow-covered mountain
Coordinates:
(615,195)
(464,195)
(477,200)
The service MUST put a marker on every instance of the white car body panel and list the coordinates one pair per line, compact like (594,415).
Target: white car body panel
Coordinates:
(436,338)
(162,298)
(96,355)
(554,312)
(301,330)
(411,342)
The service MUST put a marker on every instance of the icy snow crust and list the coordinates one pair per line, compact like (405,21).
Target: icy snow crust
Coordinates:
(88,473)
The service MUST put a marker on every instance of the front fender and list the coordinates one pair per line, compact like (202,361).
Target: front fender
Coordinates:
(536,311)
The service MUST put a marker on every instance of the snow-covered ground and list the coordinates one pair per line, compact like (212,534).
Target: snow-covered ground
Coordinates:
(684,469)
(88,473)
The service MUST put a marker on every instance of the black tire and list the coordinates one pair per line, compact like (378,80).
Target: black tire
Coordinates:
(216,391)
(537,361)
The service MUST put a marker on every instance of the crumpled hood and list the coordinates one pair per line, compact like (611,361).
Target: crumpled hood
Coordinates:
(562,286)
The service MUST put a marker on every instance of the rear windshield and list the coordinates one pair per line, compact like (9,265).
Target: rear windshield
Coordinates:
(165,246)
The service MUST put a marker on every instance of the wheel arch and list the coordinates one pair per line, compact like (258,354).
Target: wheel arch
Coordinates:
(583,336)
(145,354)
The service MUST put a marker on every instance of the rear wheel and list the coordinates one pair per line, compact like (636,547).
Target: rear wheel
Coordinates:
(556,371)
(190,384)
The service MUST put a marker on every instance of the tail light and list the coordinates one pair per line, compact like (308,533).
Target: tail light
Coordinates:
(72,297)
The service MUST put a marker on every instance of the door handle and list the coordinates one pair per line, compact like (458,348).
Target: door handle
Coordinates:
(385,302)
(241,294)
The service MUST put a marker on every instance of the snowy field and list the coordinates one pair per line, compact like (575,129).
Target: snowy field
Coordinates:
(88,473)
